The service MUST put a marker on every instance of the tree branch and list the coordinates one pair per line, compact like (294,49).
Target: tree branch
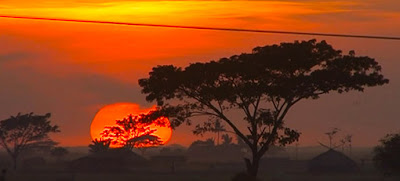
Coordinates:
(220,115)
(256,107)
(265,147)
(237,131)
(276,104)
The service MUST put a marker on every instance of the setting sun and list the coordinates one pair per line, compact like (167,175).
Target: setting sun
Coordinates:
(108,115)
(94,90)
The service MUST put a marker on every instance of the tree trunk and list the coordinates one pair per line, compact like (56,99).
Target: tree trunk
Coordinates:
(14,159)
(217,137)
(252,166)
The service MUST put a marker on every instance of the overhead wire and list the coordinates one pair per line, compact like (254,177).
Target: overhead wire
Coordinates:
(207,28)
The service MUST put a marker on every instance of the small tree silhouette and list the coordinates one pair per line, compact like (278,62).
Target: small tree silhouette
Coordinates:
(58,152)
(226,139)
(349,139)
(132,132)
(218,127)
(387,154)
(214,126)
(144,142)
(346,140)
(99,146)
(25,131)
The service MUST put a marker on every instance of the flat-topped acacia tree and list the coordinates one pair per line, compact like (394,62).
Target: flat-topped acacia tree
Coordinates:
(262,85)
(23,132)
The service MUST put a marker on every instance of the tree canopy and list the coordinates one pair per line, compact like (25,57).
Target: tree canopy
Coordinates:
(25,131)
(132,131)
(59,152)
(99,146)
(387,154)
(263,85)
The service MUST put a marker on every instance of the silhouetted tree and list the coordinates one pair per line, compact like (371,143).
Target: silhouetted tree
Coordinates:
(346,140)
(218,128)
(226,139)
(264,85)
(99,146)
(23,132)
(387,155)
(131,132)
(58,152)
(144,142)
(349,138)
(207,143)
(214,126)
(207,151)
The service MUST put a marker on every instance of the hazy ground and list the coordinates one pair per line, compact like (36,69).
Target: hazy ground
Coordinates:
(288,169)
(195,176)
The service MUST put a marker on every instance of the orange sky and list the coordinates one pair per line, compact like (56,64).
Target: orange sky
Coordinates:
(73,69)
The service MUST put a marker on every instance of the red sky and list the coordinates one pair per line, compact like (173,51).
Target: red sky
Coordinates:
(72,69)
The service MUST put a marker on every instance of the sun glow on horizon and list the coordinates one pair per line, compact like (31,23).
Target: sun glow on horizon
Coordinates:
(107,116)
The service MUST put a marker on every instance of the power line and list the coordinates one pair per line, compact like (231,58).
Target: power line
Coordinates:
(207,28)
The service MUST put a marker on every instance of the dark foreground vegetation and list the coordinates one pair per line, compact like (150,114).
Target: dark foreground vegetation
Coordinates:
(277,166)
